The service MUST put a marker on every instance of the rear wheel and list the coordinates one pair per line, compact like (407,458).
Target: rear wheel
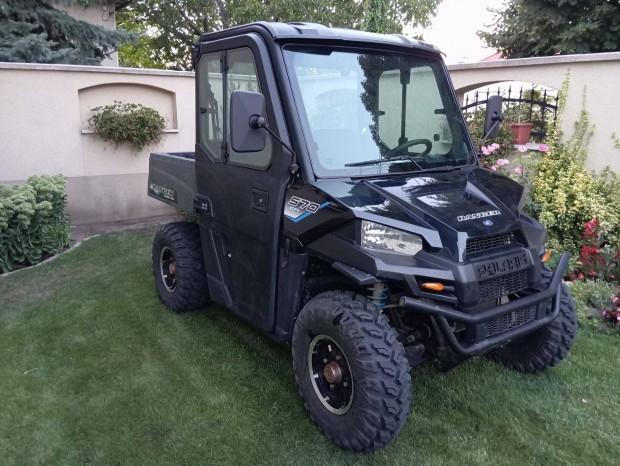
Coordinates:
(545,347)
(178,267)
(351,371)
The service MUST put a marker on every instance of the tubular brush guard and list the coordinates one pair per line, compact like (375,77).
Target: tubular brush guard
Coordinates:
(443,314)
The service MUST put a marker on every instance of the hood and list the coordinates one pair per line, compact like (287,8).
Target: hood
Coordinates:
(457,205)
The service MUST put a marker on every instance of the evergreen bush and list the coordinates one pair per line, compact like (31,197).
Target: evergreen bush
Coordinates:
(32,220)
(35,31)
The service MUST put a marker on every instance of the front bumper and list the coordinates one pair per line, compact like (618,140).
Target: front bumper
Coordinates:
(446,318)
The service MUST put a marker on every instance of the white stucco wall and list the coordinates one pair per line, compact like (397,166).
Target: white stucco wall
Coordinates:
(43,130)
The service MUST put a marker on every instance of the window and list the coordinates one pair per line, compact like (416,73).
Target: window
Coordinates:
(210,99)
(372,112)
(423,116)
(213,89)
(241,76)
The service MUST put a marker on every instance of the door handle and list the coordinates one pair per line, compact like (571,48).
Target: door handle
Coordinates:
(260,200)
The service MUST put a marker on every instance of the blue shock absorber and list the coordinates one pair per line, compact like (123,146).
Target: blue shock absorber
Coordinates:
(378,295)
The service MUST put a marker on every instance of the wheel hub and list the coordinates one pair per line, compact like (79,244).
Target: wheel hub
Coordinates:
(168,269)
(330,374)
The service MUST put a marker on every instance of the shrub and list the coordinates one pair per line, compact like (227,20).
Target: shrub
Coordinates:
(598,304)
(590,297)
(597,260)
(566,195)
(130,123)
(611,312)
(32,220)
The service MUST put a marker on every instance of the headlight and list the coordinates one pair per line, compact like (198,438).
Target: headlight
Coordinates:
(381,238)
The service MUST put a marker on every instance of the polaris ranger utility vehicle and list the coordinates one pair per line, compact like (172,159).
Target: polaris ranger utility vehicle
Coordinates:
(342,208)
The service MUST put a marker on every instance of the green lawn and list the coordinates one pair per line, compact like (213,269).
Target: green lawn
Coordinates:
(93,369)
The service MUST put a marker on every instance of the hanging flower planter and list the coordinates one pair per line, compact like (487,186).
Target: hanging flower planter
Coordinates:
(521,132)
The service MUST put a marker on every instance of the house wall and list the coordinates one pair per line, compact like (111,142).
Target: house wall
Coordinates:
(99,14)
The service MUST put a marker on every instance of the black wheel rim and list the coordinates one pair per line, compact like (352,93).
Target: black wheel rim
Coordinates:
(330,374)
(167,267)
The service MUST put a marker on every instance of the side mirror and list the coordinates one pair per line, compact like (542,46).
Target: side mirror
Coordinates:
(247,121)
(493,116)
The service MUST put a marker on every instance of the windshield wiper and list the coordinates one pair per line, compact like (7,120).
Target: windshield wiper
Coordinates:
(445,168)
(378,161)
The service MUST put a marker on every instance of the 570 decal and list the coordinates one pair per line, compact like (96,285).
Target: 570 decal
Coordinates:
(297,208)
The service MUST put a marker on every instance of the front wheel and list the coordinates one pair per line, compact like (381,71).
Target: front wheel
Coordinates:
(351,371)
(545,347)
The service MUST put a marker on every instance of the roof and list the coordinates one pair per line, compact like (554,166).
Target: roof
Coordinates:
(494,57)
(317,32)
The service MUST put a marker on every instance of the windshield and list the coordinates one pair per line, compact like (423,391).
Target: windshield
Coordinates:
(367,113)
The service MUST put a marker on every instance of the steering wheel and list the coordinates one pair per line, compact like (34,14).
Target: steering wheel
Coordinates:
(405,145)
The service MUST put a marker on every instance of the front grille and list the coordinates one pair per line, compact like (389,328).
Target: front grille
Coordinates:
(502,286)
(484,243)
(511,320)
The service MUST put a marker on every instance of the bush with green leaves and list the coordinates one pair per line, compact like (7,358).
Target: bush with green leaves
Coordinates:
(566,195)
(124,122)
(598,305)
(33,223)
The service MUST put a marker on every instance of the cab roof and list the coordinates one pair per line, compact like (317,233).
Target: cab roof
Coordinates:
(310,32)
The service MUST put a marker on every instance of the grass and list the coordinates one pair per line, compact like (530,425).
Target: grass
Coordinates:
(93,369)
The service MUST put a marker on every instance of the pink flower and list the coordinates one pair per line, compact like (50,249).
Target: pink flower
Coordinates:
(518,170)
(522,148)
(494,167)
(501,162)
(543,148)
(488,150)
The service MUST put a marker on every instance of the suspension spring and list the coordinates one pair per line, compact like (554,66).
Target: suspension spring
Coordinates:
(378,295)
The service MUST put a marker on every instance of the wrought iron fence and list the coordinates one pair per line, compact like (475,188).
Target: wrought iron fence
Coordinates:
(529,105)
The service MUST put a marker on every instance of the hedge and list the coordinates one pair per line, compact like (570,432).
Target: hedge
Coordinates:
(33,224)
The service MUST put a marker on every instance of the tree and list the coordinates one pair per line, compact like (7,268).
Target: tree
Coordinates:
(167,29)
(533,28)
(33,31)
(375,20)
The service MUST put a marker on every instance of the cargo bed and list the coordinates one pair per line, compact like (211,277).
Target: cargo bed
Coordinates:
(172,179)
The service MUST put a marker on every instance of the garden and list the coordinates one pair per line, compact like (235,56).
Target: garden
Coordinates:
(96,370)
(578,208)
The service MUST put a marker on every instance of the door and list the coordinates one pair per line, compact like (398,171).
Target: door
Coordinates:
(240,195)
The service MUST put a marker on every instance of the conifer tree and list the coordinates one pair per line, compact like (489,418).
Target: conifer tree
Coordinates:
(34,31)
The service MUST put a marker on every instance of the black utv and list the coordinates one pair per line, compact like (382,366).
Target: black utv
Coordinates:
(342,209)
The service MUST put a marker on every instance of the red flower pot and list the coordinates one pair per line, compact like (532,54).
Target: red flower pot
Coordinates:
(521,132)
